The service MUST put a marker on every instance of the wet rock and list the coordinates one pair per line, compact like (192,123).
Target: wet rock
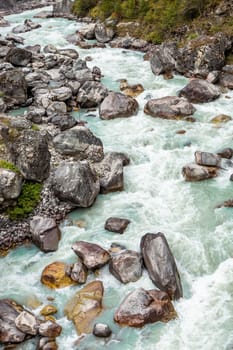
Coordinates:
(161,264)
(56,108)
(80,143)
(102,330)
(85,306)
(31,155)
(226,77)
(117,225)
(141,307)
(221,118)
(3,22)
(110,172)
(130,90)
(15,38)
(10,187)
(45,233)
(9,311)
(50,329)
(54,276)
(69,53)
(26,323)
(116,248)
(76,183)
(200,91)
(92,255)
(170,107)
(117,105)
(26,27)
(14,87)
(63,122)
(103,33)
(126,266)
(207,159)
(61,94)
(19,57)
(77,271)
(195,172)
(48,310)
(91,94)
(226,153)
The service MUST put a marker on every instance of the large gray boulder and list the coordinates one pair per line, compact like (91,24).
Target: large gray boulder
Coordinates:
(195,172)
(76,183)
(200,91)
(164,58)
(19,57)
(141,307)
(10,187)
(80,143)
(103,33)
(92,255)
(9,311)
(30,154)
(126,266)
(161,264)
(14,87)
(118,105)
(170,107)
(88,31)
(45,233)
(91,94)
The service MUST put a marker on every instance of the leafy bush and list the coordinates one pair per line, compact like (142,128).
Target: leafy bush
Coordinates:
(7,165)
(27,201)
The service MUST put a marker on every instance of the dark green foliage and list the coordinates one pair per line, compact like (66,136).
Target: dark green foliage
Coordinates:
(27,201)
(6,165)
(82,7)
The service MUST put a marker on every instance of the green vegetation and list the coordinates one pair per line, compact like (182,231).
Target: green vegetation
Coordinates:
(159,19)
(27,201)
(6,165)
(35,127)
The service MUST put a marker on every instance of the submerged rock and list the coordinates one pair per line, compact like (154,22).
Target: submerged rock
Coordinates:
(200,91)
(161,264)
(92,255)
(195,172)
(126,266)
(170,107)
(117,225)
(76,183)
(130,90)
(117,105)
(226,153)
(85,305)
(141,307)
(54,276)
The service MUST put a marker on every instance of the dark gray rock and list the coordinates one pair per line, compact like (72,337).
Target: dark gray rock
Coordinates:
(170,107)
(31,155)
(102,330)
(126,266)
(63,122)
(91,94)
(19,57)
(141,307)
(76,183)
(226,77)
(69,53)
(45,233)
(26,27)
(14,87)
(195,172)
(117,225)
(103,33)
(161,264)
(77,272)
(10,187)
(80,143)
(207,159)
(92,255)
(164,58)
(15,38)
(200,91)
(226,153)
(50,329)
(118,105)
(37,78)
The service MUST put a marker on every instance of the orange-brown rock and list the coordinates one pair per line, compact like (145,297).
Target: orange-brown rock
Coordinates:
(85,305)
(54,276)
(48,310)
(221,118)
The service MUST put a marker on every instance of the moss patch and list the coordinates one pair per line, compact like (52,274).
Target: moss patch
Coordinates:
(7,165)
(27,201)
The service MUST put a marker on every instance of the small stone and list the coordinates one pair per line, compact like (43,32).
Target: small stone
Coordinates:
(226,153)
(50,329)
(101,330)
(48,310)
(221,118)
(117,225)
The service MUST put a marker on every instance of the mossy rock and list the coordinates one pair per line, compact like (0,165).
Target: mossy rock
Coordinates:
(54,276)
(221,118)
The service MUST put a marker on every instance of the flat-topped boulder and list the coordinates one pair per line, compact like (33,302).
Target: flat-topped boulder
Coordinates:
(92,255)
(170,107)
(126,266)
(161,265)
(76,183)
(200,91)
(141,307)
(85,306)
(195,172)
(118,105)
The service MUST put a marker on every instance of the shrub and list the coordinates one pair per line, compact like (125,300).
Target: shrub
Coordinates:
(27,201)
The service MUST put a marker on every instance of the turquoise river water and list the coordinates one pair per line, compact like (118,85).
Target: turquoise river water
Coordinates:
(156,198)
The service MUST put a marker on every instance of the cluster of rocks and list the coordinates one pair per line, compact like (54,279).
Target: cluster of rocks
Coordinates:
(207,165)
(19,324)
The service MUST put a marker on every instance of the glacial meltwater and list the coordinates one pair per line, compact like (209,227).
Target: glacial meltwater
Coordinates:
(156,199)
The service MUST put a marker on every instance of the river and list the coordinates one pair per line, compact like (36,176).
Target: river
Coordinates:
(156,198)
